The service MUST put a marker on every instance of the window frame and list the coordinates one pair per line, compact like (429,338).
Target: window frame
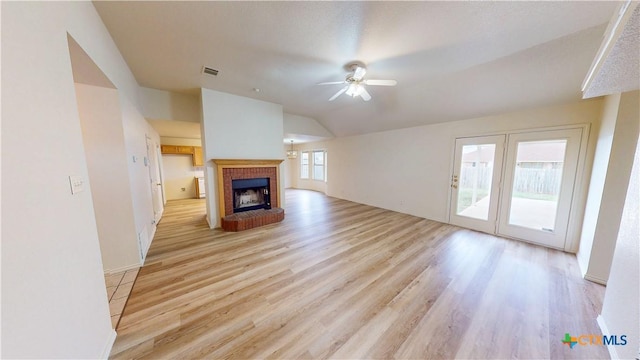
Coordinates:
(323,172)
(302,165)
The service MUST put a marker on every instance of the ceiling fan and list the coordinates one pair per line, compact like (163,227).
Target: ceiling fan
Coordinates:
(356,83)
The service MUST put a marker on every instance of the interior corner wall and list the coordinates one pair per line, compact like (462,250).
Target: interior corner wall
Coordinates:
(604,134)
(103,138)
(621,306)
(598,257)
(286,169)
(208,167)
(302,125)
(54,301)
(236,127)
(169,105)
(409,170)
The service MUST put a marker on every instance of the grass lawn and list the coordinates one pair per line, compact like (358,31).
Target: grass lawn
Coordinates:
(465,197)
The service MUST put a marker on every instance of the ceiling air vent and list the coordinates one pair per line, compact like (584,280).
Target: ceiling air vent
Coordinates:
(210,71)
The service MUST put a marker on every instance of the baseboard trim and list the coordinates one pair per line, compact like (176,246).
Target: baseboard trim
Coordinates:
(109,345)
(605,331)
(595,279)
(122,269)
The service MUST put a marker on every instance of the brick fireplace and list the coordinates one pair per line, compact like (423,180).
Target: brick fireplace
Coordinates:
(267,171)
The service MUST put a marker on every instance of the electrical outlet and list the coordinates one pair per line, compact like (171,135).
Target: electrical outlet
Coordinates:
(77,184)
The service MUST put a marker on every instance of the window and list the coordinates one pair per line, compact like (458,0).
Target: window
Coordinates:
(318,165)
(304,165)
(313,165)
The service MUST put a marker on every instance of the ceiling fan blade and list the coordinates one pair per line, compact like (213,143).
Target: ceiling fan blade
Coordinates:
(358,74)
(365,94)
(338,93)
(381,82)
(332,83)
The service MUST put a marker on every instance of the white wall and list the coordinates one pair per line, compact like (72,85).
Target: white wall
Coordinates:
(609,180)
(136,129)
(179,173)
(168,105)
(236,127)
(103,139)
(375,168)
(621,307)
(54,302)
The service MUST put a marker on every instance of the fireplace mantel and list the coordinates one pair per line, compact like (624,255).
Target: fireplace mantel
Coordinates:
(241,169)
(246,163)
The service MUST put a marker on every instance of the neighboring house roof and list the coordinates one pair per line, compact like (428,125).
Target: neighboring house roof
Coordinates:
(551,151)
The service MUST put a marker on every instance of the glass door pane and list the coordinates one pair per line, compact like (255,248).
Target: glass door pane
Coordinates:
(477,166)
(476,174)
(536,184)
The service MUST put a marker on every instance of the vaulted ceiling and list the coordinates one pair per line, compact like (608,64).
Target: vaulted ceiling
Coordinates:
(452,60)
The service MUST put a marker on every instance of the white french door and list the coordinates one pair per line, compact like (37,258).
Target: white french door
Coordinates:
(476,182)
(523,189)
(539,179)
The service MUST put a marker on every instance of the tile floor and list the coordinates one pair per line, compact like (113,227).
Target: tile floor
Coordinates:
(119,287)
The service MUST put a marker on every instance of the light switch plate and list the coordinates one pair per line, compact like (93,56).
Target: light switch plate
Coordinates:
(77,184)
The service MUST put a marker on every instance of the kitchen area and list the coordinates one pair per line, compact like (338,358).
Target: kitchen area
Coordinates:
(183,169)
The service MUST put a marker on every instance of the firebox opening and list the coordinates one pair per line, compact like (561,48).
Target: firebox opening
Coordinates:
(250,194)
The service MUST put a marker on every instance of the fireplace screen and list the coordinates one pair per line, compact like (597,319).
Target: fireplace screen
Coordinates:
(250,194)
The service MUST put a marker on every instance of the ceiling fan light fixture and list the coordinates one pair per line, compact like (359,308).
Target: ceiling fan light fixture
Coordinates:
(351,91)
(358,71)
(354,90)
(356,83)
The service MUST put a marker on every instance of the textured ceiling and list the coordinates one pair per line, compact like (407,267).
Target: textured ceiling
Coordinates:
(452,60)
(620,71)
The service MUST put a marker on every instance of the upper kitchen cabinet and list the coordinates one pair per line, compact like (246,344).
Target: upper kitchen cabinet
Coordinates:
(194,151)
(197,156)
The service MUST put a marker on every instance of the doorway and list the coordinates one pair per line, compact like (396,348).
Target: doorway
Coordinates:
(518,185)
(155,180)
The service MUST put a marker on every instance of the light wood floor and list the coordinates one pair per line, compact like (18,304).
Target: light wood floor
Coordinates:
(338,279)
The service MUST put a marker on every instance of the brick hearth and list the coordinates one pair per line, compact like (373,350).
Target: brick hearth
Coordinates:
(251,219)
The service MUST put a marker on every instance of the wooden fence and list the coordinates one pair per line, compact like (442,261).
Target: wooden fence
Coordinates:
(531,181)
